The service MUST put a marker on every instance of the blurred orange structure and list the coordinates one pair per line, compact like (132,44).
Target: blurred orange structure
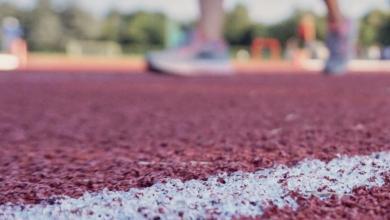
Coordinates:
(272,44)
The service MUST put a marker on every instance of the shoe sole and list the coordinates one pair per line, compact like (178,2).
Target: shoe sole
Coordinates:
(190,69)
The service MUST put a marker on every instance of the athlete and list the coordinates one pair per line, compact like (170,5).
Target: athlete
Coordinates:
(11,32)
(208,53)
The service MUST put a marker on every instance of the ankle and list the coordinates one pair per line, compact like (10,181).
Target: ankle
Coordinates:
(337,25)
(202,38)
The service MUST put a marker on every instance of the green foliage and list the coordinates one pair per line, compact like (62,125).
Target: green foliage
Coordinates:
(259,30)
(321,27)
(45,30)
(7,10)
(374,28)
(285,29)
(111,26)
(142,28)
(384,33)
(79,24)
(49,30)
(238,26)
(241,30)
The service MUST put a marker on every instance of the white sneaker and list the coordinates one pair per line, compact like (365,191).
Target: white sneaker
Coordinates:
(199,59)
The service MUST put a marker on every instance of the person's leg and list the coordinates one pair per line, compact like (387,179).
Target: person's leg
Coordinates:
(206,53)
(340,39)
(334,13)
(211,20)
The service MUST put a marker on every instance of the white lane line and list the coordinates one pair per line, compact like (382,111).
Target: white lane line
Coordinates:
(221,196)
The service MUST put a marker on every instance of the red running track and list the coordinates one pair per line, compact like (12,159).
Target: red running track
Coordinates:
(68,134)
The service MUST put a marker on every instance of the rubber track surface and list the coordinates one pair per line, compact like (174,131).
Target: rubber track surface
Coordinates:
(67,134)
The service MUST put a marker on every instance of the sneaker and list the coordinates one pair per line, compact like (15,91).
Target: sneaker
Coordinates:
(340,42)
(198,59)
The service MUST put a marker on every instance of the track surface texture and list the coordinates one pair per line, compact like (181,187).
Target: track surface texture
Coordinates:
(71,134)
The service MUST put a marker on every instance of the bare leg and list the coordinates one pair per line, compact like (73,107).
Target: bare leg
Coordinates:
(335,16)
(340,40)
(207,52)
(211,20)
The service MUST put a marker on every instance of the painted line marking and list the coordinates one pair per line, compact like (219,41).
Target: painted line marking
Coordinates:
(221,196)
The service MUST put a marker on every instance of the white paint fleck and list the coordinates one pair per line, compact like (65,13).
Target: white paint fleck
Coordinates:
(221,196)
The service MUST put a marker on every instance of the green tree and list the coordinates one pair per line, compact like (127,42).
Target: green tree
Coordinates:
(111,26)
(321,27)
(258,30)
(45,31)
(384,32)
(286,29)
(7,10)
(79,24)
(238,26)
(371,27)
(143,28)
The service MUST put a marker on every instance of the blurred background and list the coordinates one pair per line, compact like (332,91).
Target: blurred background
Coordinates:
(59,32)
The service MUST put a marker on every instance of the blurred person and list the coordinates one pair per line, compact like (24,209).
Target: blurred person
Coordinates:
(208,53)
(11,33)
(307,34)
(307,29)
(386,53)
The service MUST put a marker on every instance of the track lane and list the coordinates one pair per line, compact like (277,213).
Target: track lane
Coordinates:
(68,134)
